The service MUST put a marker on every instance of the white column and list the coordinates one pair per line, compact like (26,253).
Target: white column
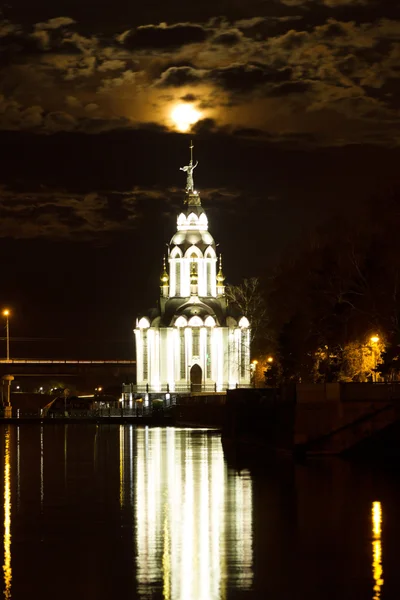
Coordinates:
(220,358)
(202,275)
(237,352)
(175,337)
(139,356)
(185,277)
(231,355)
(188,348)
(172,277)
(203,351)
(214,276)
(169,357)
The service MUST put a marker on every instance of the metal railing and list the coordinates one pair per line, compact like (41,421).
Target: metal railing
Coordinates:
(139,410)
(178,388)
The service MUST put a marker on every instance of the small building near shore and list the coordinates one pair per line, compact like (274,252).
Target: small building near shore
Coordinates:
(193,340)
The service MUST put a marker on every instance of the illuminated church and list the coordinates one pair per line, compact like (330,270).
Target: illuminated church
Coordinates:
(193,341)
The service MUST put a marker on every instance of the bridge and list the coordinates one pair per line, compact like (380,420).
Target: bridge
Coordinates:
(84,375)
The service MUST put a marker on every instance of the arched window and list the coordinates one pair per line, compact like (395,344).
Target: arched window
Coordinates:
(178,278)
(208,352)
(193,252)
(181,322)
(195,322)
(203,221)
(145,356)
(208,275)
(209,321)
(244,322)
(181,221)
(182,354)
(143,323)
(196,341)
(243,354)
(192,220)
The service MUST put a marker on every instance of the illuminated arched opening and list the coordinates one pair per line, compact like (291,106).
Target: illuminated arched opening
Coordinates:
(144,323)
(244,322)
(181,322)
(195,322)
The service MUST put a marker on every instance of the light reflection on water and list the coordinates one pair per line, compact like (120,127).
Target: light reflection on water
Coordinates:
(180,515)
(377,570)
(7,570)
(115,511)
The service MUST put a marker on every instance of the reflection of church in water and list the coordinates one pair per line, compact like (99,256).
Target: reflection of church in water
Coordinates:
(193,340)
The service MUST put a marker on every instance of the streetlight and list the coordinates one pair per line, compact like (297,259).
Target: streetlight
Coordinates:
(6,314)
(374,339)
(253,368)
(270,359)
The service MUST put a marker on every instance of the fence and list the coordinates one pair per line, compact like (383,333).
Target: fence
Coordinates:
(140,410)
(208,388)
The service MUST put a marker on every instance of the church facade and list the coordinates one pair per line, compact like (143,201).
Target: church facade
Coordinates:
(193,340)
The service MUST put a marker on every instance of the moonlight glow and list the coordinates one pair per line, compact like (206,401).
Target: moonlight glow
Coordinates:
(184,116)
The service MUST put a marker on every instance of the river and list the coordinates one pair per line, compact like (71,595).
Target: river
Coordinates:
(115,511)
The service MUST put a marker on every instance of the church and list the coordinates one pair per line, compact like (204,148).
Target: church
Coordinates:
(194,341)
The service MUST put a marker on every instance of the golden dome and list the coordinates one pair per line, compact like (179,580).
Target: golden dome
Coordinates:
(220,275)
(164,275)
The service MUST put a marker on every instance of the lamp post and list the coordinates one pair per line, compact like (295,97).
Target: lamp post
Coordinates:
(374,339)
(253,367)
(6,314)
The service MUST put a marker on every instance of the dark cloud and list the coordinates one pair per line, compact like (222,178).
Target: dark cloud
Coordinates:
(205,126)
(55,23)
(244,78)
(57,77)
(180,77)
(163,36)
(188,98)
(228,38)
(238,78)
(61,215)
(290,87)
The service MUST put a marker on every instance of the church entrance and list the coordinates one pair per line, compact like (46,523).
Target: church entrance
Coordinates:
(195,378)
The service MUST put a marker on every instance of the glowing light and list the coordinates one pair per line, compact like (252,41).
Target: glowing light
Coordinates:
(6,312)
(195,322)
(143,323)
(121,464)
(188,548)
(270,359)
(7,517)
(184,116)
(374,339)
(209,321)
(377,570)
(244,322)
(41,468)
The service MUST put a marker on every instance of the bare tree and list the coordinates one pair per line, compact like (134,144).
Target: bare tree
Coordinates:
(249,300)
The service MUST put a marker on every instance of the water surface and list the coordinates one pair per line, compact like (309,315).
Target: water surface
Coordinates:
(118,511)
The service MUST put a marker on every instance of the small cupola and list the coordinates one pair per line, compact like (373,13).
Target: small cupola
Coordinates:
(220,279)
(164,280)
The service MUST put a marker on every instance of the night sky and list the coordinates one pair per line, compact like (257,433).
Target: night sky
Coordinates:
(299,104)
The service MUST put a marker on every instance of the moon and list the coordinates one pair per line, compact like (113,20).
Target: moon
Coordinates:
(184,116)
